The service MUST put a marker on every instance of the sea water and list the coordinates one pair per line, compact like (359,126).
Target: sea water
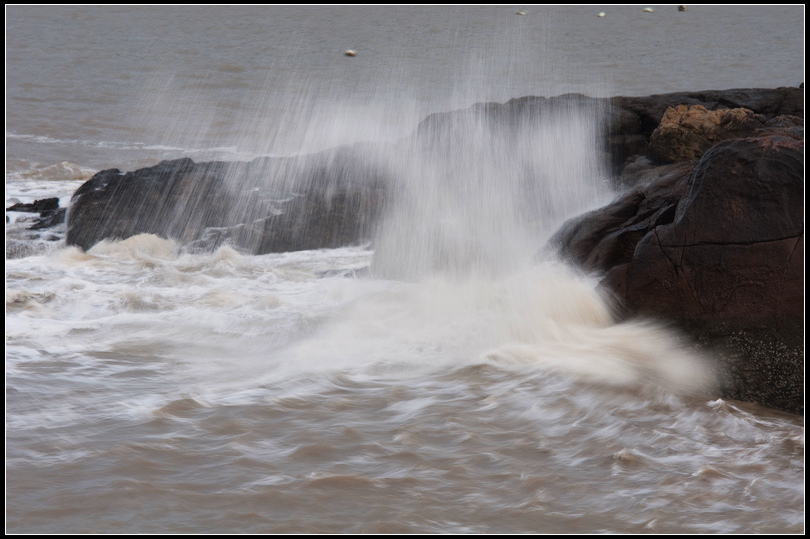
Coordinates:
(449,376)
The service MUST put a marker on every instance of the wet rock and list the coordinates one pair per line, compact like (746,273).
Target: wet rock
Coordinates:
(38,206)
(730,254)
(50,219)
(267,205)
(607,237)
(642,171)
(643,115)
(628,121)
(716,247)
(50,214)
(174,199)
(785,124)
(323,220)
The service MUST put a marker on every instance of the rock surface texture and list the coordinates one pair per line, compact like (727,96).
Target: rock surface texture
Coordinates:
(716,246)
(268,205)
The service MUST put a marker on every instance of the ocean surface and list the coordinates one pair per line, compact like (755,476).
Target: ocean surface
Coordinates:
(444,378)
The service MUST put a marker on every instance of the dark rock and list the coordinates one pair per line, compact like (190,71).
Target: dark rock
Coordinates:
(628,122)
(174,199)
(623,148)
(739,226)
(268,205)
(49,219)
(50,214)
(786,125)
(323,220)
(310,201)
(720,252)
(649,111)
(642,171)
(767,102)
(607,237)
(38,206)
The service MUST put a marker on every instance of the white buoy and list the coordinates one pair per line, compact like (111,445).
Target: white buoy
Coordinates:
(520,13)
(601,14)
(350,52)
(648,10)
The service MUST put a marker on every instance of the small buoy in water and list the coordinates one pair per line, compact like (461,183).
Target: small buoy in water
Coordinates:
(601,14)
(520,13)
(648,10)
(682,8)
(350,52)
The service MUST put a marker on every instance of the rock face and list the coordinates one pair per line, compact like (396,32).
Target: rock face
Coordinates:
(629,122)
(641,116)
(686,133)
(50,214)
(263,206)
(172,199)
(716,246)
(710,236)
(732,249)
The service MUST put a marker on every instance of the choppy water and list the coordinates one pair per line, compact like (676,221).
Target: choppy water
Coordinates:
(445,382)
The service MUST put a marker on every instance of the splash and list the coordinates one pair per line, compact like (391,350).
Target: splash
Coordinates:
(546,317)
(479,190)
(472,196)
(469,198)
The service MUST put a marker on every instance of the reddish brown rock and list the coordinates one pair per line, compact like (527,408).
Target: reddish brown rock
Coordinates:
(728,266)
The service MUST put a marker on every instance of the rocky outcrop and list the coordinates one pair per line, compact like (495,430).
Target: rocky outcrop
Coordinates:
(334,198)
(717,247)
(268,205)
(50,214)
(713,241)
(173,199)
(606,238)
(628,122)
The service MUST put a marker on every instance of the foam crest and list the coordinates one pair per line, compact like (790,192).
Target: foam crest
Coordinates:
(139,247)
(547,317)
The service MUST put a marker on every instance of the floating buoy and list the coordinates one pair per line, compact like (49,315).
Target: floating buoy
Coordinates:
(682,8)
(520,13)
(350,52)
(601,14)
(648,10)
